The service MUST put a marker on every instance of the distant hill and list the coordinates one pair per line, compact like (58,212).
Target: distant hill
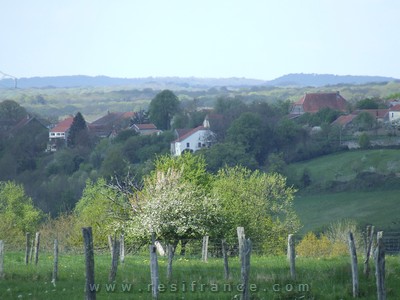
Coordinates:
(294,80)
(97,81)
(317,80)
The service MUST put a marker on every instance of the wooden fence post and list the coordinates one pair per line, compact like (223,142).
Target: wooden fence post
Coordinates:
(122,248)
(154,271)
(380,266)
(90,290)
(368,238)
(1,259)
(291,256)
(245,269)
(225,257)
(37,244)
(31,252)
(110,243)
(354,264)
(241,239)
(55,262)
(114,260)
(204,251)
(28,247)
(160,248)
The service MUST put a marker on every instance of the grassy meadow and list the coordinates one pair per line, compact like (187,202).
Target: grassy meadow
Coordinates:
(378,208)
(362,185)
(328,278)
(345,166)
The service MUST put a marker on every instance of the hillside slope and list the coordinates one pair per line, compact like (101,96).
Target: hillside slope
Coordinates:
(361,185)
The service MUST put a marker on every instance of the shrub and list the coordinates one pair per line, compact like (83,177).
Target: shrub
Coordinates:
(18,215)
(311,246)
(338,234)
(61,228)
(364,141)
(333,243)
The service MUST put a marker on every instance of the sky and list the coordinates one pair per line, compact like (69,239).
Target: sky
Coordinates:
(260,39)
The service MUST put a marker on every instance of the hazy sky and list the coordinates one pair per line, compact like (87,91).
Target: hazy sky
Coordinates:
(260,39)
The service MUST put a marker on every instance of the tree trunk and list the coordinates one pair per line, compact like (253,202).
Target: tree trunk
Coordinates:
(1,259)
(183,247)
(171,253)
(122,249)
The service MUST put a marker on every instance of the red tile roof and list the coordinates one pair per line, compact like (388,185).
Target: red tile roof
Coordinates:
(189,133)
(344,120)
(395,108)
(128,115)
(314,102)
(145,126)
(112,117)
(63,126)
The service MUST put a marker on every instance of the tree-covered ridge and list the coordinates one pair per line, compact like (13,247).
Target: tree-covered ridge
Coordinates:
(94,102)
(250,131)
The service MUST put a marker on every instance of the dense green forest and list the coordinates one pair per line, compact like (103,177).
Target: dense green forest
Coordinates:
(253,131)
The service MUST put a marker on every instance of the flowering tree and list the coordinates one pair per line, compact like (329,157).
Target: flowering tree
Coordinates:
(176,209)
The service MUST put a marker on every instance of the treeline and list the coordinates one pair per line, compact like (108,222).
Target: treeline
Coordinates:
(93,101)
(177,202)
(256,135)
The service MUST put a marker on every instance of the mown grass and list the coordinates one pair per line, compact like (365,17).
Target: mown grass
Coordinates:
(328,278)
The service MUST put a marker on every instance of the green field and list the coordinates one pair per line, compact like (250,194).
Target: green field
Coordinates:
(345,166)
(192,279)
(340,189)
(379,208)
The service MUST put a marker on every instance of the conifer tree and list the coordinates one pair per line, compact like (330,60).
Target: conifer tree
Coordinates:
(78,128)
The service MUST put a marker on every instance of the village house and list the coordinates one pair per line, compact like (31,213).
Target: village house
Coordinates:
(191,140)
(58,135)
(314,102)
(394,114)
(345,121)
(111,124)
(145,129)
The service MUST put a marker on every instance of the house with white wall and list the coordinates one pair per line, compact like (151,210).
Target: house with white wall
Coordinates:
(394,114)
(58,134)
(191,140)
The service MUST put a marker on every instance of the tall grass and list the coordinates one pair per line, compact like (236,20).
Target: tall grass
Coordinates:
(328,278)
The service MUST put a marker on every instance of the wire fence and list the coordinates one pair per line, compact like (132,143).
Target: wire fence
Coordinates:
(193,270)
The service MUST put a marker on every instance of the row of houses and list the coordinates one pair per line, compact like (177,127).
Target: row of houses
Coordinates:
(314,102)
(191,140)
(107,126)
(111,124)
